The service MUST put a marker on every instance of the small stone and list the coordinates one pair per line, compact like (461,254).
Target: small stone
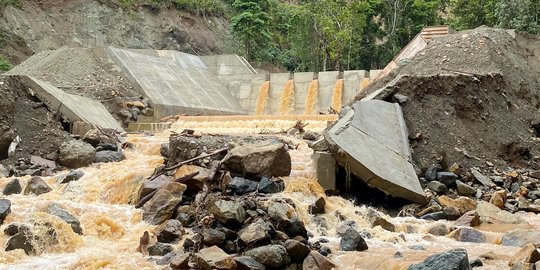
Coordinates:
(447,178)
(318,206)
(36,186)
(270,186)
(160,249)
(72,176)
(439,229)
(464,189)
(212,237)
(498,199)
(12,229)
(170,231)
(437,187)
(12,187)
(230,213)
(180,261)
(310,136)
(476,263)
(352,241)
(431,172)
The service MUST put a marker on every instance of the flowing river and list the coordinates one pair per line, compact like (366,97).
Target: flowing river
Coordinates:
(103,202)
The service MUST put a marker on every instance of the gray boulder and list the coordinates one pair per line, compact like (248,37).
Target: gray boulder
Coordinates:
(76,154)
(254,233)
(72,176)
(36,186)
(109,156)
(5,209)
(273,256)
(521,237)
(12,187)
(240,185)
(316,261)
(162,205)
(455,259)
(160,249)
(230,213)
(248,263)
(258,160)
(268,185)
(57,210)
(214,258)
(170,231)
(352,241)
(297,250)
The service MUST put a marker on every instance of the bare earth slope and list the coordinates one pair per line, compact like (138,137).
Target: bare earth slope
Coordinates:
(473,97)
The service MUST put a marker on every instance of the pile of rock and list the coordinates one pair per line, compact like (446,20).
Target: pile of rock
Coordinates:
(226,201)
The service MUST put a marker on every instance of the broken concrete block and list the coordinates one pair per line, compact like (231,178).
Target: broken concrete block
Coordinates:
(325,166)
(372,141)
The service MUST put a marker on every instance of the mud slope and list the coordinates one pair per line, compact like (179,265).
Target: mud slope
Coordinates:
(473,97)
(44,25)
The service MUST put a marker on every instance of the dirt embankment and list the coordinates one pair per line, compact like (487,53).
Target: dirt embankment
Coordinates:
(40,130)
(473,97)
(44,25)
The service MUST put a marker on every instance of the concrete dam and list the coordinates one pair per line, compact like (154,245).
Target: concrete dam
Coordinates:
(177,83)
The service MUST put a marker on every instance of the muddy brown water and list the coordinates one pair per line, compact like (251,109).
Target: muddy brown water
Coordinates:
(112,226)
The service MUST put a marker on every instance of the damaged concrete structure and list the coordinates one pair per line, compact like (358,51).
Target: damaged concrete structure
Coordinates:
(371,141)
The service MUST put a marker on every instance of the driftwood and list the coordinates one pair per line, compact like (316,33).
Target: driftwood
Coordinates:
(164,170)
(146,198)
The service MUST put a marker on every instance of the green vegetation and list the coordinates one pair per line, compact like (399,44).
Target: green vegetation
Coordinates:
(5,3)
(5,65)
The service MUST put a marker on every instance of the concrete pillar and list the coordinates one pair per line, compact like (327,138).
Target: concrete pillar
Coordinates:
(325,165)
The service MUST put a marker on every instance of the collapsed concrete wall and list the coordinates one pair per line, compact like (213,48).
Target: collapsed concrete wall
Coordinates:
(371,142)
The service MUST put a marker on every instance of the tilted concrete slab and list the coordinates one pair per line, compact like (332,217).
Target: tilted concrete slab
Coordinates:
(72,107)
(176,83)
(371,140)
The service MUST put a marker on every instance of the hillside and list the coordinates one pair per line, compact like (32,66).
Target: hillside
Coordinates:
(33,26)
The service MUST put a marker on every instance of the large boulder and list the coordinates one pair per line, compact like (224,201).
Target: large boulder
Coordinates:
(352,241)
(162,205)
(214,258)
(170,231)
(490,213)
(254,233)
(75,154)
(57,210)
(466,234)
(272,256)
(230,213)
(521,237)
(72,176)
(268,185)
(248,263)
(240,185)
(22,240)
(316,261)
(258,160)
(212,237)
(527,254)
(36,186)
(5,209)
(297,250)
(455,259)
(109,156)
(12,187)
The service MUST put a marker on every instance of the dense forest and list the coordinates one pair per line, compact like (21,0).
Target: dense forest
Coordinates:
(318,35)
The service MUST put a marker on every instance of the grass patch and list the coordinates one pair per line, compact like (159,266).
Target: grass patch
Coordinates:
(5,65)
(5,3)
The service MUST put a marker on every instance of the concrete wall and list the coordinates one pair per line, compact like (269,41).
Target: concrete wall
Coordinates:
(327,83)
(176,83)
(228,64)
(72,107)
(301,84)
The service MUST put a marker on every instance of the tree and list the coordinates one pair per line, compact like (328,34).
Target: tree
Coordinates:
(522,15)
(251,25)
(468,14)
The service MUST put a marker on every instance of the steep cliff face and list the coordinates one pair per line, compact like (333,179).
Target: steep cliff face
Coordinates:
(34,26)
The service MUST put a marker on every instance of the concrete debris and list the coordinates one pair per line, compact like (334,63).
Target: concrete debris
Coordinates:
(372,142)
